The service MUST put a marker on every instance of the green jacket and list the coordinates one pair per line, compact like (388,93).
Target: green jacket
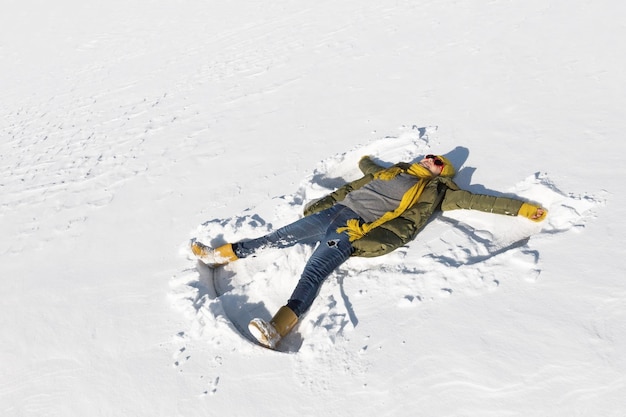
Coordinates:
(441,193)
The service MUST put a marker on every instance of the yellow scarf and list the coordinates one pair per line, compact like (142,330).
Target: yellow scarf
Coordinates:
(357,231)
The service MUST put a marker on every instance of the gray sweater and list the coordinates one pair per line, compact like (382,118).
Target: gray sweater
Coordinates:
(379,196)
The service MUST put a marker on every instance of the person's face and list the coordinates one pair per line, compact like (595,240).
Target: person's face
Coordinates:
(433,164)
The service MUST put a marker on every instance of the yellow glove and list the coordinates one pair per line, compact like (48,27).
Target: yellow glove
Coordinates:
(534,213)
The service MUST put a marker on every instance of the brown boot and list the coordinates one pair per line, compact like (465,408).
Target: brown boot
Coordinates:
(213,257)
(269,334)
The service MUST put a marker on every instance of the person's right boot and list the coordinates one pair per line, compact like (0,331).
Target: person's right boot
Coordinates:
(213,257)
(269,334)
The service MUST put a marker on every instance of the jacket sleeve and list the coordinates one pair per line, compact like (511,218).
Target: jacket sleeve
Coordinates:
(461,199)
(367,166)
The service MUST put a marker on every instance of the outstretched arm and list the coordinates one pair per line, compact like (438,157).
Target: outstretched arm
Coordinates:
(461,199)
(367,166)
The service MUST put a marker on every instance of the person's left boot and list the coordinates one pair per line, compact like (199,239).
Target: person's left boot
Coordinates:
(213,257)
(269,334)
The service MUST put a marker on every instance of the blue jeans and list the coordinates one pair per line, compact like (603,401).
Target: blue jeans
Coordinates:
(334,249)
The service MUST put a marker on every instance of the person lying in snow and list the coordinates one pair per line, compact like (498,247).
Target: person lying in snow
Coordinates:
(371,216)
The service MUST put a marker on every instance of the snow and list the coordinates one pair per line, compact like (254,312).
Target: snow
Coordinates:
(129,128)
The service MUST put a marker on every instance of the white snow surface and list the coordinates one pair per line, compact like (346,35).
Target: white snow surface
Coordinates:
(129,128)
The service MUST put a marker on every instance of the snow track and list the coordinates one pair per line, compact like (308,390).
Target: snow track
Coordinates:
(459,254)
(127,128)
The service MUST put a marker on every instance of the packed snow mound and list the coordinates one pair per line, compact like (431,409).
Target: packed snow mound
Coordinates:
(460,253)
